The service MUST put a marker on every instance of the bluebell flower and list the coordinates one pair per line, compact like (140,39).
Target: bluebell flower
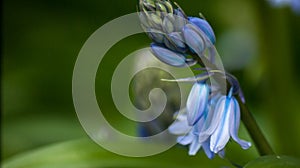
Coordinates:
(188,135)
(224,124)
(212,129)
(197,102)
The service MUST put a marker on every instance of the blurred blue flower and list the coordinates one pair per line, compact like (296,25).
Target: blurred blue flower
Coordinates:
(294,4)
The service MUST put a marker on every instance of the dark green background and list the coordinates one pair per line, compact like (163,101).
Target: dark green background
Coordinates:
(41,41)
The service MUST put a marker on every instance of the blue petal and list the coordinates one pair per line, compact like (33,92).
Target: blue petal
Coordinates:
(193,39)
(185,140)
(179,12)
(194,147)
(179,127)
(167,56)
(200,124)
(221,135)
(155,35)
(143,20)
(208,152)
(234,127)
(154,21)
(167,24)
(215,121)
(169,44)
(197,102)
(222,153)
(207,116)
(179,23)
(177,39)
(205,27)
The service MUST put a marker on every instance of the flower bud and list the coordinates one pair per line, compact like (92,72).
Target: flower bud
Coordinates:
(154,21)
(204,26)
(179,20)
(167,56)
(193,39)
(156,35)
(177,39)
(167,24)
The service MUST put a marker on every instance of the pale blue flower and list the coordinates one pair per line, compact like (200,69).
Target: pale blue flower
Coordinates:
(294,4)
(188,135)
(197,102)
(224,124)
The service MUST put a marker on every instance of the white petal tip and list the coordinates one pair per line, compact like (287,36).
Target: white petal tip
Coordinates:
(192,153)
(247,145)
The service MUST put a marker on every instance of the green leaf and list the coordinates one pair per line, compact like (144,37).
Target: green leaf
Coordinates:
(86,154)
(274,162)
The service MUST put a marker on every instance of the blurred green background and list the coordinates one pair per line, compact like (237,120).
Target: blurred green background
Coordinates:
(41,40)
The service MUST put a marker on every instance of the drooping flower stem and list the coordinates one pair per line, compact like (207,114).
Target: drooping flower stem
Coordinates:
(250,123)
(255,132)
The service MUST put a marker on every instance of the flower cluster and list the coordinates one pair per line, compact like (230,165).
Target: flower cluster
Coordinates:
(208,122)
(211,117)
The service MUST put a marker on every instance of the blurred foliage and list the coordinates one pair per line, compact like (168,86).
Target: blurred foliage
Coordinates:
(274,162)
(85,154)
(41,40)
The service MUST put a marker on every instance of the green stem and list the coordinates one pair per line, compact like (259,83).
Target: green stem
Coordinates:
(255,132)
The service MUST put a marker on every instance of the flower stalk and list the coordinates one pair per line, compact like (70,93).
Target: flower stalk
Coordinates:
(261,143)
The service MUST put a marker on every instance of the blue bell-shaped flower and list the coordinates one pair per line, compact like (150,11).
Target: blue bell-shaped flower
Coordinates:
(225,124)
(197,102)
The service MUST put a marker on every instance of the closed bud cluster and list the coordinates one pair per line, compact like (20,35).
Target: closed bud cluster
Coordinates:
(171,29)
